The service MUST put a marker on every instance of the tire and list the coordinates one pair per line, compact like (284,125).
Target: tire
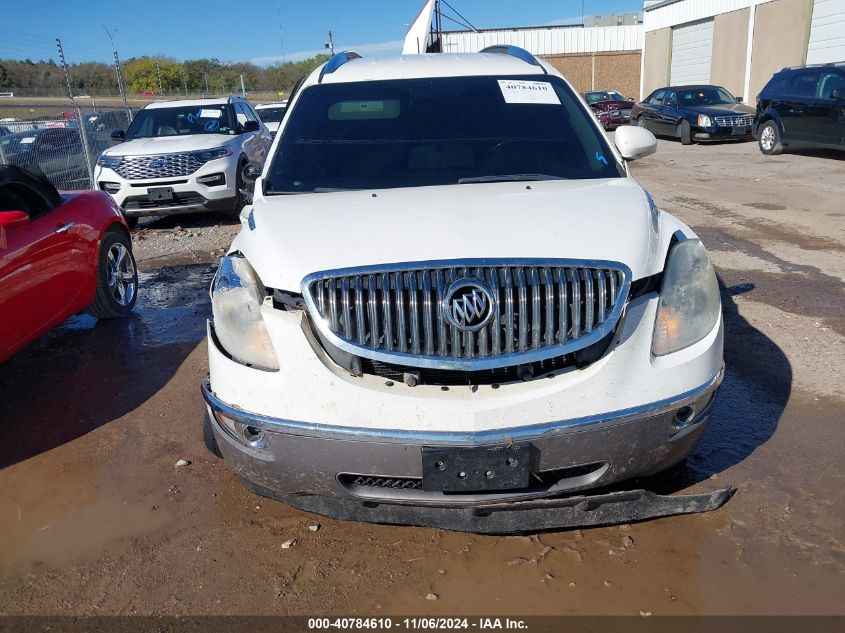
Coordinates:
(768,139)
(641,122)
(117,277)
(684,133)
(208,436)
(240,201)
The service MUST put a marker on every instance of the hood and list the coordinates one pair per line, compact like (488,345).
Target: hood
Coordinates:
(272,126)
(726,109)
(606,106)
(168,144)
(299,234)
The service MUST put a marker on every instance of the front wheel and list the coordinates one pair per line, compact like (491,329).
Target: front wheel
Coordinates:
(684,133)
(769,139)
(117,278)
(641,121)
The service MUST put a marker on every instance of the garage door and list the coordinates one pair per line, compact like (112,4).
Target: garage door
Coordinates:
(827,32)
(692,48)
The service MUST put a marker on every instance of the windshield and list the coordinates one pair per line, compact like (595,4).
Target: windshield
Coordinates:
(419,132)
(705,96)
(271,115)
(596,97)
(181,121)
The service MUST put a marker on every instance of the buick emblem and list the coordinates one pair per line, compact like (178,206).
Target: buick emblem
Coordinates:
(156,163)
(468,305)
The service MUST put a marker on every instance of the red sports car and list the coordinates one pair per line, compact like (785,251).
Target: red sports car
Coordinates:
(59,254)
(610,107)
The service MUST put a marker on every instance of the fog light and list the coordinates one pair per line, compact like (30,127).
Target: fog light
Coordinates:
(243,433)
(683,417)
(212,180)
(110,187)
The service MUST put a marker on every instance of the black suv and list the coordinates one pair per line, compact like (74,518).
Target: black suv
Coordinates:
(802,106)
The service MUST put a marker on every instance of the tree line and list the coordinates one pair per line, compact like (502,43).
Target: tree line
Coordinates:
(142,75)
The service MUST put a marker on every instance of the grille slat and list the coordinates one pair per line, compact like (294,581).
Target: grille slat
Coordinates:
(731,121)
(532,308)
(165,166)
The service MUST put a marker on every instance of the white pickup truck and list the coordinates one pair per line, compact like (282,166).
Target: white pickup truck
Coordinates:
(450,304)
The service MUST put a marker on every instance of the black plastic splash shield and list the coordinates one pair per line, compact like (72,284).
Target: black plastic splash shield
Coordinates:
(514,517)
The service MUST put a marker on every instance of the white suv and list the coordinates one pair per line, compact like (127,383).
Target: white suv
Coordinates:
(182,157)
(450,298)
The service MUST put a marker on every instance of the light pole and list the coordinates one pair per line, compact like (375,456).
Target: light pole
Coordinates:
(120,86)
(330,44)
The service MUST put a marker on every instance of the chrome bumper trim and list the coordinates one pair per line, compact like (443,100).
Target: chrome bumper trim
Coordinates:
(492,436)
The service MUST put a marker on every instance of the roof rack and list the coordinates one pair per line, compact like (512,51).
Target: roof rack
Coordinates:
(825,65)
(337,60)
(515,51)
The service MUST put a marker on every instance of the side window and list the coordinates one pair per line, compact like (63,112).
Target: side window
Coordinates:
(830,81)
(240,114)
(804,85)
(777,85)
(670,99)
(657,97)
(19,197)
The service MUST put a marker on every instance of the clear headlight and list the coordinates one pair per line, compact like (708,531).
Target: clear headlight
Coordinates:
(689,305)
(212,154)
(704,121)
(236,297)
(112,162)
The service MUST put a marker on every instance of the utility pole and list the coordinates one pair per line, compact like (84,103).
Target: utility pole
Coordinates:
(243,90)
(83,132)
(207,91)
(158,72)
(330,44)
(120,85)
(185,80)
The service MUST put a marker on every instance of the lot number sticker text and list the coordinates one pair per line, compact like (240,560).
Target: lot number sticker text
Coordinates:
(519,91)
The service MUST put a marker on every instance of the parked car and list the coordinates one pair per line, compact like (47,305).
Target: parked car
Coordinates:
(4,130)
(182,157)
(57,152)
(695,113)
(272,114)
(611,108)
(393,342)
(59,254)
(802,106)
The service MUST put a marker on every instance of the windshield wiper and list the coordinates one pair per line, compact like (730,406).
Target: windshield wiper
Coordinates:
(509,178)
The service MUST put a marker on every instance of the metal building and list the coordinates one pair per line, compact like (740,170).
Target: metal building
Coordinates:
(738,44)
(591,58)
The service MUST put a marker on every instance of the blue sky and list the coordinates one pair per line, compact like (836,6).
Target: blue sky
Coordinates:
(236,30)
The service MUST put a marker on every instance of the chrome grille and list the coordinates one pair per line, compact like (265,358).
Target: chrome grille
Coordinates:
(731,121)
(164,166)
(539,309)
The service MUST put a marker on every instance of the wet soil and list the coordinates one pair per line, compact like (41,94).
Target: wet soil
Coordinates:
(93,418)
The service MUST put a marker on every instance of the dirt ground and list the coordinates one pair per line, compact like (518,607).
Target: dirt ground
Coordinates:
(96,518)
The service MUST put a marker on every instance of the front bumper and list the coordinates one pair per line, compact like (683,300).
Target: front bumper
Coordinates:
(384,465)
(191,194)
(718,133)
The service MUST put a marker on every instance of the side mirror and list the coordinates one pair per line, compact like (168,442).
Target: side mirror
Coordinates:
(251,172)
(118,135)
(839,93)
(251,126)
(634,142)
(739,99)
(13,219)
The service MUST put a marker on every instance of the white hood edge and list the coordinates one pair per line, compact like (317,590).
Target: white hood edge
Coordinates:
(300,234)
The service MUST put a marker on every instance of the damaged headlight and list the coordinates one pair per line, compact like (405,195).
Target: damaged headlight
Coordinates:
(236,297)
(689,305)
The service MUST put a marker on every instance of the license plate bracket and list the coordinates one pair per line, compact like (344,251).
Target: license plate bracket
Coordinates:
(740,130)
(160,194)
(477,469)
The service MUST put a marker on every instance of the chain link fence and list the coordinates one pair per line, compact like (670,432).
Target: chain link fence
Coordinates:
(62,141)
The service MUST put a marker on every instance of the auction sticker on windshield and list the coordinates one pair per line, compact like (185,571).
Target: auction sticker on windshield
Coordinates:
(520,91)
